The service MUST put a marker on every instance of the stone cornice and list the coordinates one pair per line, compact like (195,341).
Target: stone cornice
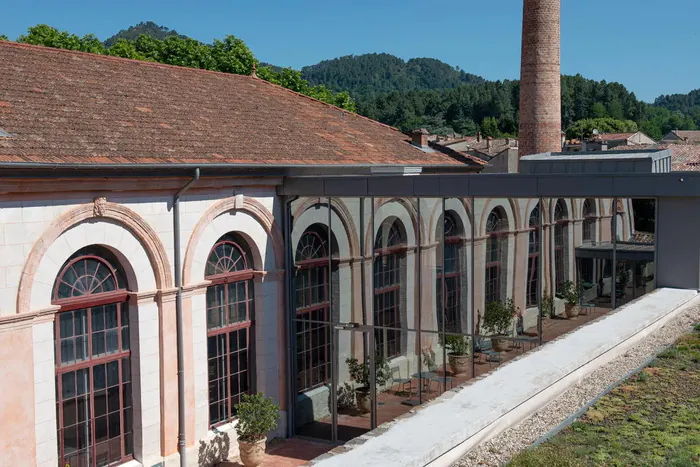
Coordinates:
(25,320)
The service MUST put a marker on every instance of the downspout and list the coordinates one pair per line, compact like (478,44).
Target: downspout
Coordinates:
(181,443)
(289,306)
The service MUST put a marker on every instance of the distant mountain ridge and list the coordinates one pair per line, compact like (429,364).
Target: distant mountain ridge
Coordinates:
(429,93)
(365,76)
(148,28)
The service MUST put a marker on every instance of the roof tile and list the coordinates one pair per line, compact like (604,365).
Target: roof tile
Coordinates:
(71,107)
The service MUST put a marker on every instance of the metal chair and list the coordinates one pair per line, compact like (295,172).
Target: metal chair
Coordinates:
(402,382)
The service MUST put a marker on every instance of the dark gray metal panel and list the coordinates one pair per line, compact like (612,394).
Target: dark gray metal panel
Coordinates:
(677,243)
(342,186)
(428,186)
(504,186)
(558,185)
(501,185)
(391,186)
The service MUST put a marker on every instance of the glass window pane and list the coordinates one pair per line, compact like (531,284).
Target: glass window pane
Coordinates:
(69,413)
(100,403)
(98,344)
(113,399)
(98,319)
(110,316)
(68,385)
(81,348)
(112,373)
(67,351)
(112,338)
(126,345)
(99,377)
(114,424)
(83,381)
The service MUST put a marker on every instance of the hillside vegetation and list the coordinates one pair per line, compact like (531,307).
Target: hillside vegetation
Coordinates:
(420,92)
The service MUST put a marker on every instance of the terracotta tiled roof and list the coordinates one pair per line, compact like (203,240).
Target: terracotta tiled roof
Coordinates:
(615,136)
(642,237)
(497,146)
(70,107)
(684,157)
(692,136)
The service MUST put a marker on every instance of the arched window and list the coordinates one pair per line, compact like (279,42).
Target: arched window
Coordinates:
(589,220)
(230,330)
(390,253)
(496,255)
(450,273)
(93,365)
(561,242)
(533,258)
(312,309)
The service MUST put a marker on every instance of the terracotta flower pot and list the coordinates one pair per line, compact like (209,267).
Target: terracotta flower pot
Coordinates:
(499,344)
(363,400)
(460,364)
(252,454)
(572,311)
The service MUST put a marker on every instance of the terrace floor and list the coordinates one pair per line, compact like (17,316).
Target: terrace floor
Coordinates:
(399,399)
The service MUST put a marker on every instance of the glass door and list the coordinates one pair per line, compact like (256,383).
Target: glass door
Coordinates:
(354,402)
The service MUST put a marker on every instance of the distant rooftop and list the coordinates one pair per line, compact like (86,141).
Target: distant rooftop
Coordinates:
(639,161)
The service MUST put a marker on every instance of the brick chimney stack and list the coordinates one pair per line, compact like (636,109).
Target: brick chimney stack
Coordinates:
(419,137)
(540,78)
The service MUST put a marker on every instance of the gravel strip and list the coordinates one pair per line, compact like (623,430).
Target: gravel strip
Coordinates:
(499,450)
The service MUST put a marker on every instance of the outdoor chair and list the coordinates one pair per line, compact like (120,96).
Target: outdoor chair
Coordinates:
(433,376)
(396,379)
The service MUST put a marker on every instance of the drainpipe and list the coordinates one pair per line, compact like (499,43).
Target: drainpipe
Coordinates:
(181,443)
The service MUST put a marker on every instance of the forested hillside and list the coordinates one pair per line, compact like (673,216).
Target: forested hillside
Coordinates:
(365,76)
(148,28)
(421,92)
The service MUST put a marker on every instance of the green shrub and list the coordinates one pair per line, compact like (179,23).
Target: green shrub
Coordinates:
(458,345)
(571,292)
(359,372)
(257,416)
(498,317)
(548,306)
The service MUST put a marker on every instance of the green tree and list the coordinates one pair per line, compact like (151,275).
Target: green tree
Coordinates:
(231,55)
(125,49)
(598,110)
(489,127)
(3,37)
(603,125)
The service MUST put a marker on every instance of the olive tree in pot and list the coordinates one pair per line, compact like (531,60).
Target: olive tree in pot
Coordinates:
(498,321)
(257,416)
(571,293)
(459,353)
(359,373)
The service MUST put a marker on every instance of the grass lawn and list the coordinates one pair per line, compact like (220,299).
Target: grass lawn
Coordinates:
(651,419)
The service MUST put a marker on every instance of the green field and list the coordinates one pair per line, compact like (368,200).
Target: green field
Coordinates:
(652,419)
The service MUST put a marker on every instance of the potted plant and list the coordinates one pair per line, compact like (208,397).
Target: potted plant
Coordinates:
(460,350)
(257,416)
(359,373)
(498,320)
(548,310)
(571,293)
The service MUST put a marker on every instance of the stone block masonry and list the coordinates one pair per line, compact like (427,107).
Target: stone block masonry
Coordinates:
(540,78)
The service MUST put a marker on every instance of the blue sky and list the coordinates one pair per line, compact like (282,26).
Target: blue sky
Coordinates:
(649,46)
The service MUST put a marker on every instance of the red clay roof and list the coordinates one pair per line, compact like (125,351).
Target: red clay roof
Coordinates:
(615,136)
(71,107)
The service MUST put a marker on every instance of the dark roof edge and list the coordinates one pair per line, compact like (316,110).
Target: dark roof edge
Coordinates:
(43,170)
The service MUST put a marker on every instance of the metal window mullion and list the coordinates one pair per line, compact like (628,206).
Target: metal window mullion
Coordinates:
(443,299)
(540,272)
(613,293)
(472,291)
(334,334)
(372,335)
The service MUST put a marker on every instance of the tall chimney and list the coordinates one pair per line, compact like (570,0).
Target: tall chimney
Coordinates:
(540,78)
